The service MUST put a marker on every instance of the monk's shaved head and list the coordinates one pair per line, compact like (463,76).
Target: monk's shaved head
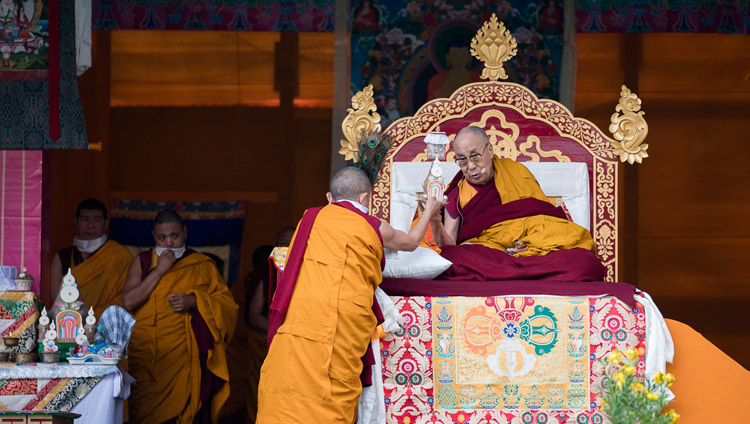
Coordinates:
(166,216)
(348,183)
(472,132)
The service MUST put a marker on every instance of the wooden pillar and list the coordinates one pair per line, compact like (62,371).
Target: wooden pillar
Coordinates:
(631,52)
(341,82)
(286,82)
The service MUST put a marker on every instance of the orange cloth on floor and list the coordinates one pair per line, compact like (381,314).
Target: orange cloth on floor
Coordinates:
(163,353)
(709,387)
(311,373)
(541,233)
(101,277)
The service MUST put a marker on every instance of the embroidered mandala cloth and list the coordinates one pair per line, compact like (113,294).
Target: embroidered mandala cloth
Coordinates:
(532,359)
(55,394)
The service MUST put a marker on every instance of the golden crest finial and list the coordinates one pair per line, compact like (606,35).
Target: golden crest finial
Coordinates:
(358,121)
(629,129)
(493,45)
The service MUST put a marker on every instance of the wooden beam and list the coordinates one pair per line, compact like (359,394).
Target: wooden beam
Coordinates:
(631,51)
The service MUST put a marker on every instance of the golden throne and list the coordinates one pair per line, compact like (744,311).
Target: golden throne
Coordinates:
(421,372)
(520,126)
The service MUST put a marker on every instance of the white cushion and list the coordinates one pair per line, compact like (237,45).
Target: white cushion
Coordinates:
(568,180)
(423,263)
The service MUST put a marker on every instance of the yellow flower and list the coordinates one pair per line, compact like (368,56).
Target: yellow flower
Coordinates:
(632,354)
(619,378)
(652,396)
(669,379)
(613,357)
(629,370)
(659,377)
(673,416)
(639,387)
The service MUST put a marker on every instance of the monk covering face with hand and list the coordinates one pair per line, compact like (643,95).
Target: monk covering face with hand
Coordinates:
(322,311)
(185,316)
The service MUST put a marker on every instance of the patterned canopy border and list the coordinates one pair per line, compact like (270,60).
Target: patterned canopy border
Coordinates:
(215,15)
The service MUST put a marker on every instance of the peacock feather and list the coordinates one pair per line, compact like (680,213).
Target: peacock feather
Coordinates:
(373,147)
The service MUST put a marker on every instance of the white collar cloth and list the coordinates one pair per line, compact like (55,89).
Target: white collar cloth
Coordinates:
(362,208)
(89,246)
(178,251)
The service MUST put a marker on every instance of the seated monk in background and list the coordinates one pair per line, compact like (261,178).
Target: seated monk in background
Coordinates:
(99,265)
(506,227)
(185,317)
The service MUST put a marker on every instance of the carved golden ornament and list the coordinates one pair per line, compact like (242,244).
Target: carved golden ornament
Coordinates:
(515,96)
(380,201)
(358,121)
(605,215)
(533,141)
(629,129)
(493,45)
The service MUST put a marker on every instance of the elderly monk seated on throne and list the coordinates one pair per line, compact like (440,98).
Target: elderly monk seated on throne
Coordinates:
(499,225)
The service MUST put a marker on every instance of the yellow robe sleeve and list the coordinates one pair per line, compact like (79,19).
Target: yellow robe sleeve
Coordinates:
(218,309)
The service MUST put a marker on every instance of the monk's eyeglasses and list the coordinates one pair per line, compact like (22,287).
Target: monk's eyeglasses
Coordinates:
(475,157)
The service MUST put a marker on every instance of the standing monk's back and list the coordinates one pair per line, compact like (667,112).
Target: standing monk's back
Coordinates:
(307,377)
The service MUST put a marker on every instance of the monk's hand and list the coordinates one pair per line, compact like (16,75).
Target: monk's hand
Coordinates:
(432,207)
(166,260)
(182,302)
(518,247)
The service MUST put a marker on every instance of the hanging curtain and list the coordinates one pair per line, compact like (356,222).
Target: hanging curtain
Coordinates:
(39,103)
(215,15)
(416,51)
(725,17)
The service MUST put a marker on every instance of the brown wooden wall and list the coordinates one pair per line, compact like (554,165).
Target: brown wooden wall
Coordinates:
(278,156)
(686,208)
